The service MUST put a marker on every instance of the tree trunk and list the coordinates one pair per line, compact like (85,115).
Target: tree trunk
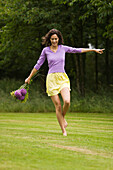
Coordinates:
(78,73)
(96,56)
(107,56)
(107,62)
(82,64)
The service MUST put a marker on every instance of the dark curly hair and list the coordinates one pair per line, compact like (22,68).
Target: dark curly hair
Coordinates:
(46,39)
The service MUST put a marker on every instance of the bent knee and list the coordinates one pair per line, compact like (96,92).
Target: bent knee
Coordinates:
(67,102)
(58,106)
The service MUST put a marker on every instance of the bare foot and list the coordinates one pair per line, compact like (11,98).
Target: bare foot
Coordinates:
(65,133)
(65,123)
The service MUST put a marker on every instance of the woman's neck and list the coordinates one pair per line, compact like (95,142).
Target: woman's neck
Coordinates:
(54,48)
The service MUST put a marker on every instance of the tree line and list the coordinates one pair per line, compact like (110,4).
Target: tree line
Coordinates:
(82,23)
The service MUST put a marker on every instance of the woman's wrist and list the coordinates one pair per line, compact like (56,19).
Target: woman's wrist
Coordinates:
(94,50)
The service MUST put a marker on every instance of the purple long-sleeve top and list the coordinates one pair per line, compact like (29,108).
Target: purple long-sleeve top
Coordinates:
(56,60)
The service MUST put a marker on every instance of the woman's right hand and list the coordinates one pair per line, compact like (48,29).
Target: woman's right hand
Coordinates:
(27,80)
(33,72)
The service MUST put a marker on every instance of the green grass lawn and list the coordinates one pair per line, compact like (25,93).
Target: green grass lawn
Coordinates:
(34,141)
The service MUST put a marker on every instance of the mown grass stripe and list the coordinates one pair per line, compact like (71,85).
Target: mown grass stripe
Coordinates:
(35,141)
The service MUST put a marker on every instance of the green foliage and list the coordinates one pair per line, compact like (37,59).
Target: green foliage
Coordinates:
(104,10)
(38,100)
(101,102)
(24,22)
(20,35)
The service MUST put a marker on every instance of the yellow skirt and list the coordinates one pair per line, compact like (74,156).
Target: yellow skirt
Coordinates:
(55,82)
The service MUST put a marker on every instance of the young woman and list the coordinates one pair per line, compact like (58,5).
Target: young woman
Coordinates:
(57,80)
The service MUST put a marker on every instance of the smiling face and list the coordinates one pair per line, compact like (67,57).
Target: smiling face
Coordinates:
(54,40)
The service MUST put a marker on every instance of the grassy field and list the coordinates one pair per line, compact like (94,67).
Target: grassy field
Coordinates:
(31,141)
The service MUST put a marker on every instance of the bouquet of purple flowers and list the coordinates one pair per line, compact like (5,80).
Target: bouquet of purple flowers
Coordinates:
(21,93)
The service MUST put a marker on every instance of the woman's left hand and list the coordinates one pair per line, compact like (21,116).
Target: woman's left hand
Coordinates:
(99,51)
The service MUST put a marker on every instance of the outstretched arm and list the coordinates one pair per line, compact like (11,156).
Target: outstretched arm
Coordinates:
(99,51)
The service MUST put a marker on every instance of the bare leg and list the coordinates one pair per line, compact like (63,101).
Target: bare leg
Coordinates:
(57,104)
(65,93)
